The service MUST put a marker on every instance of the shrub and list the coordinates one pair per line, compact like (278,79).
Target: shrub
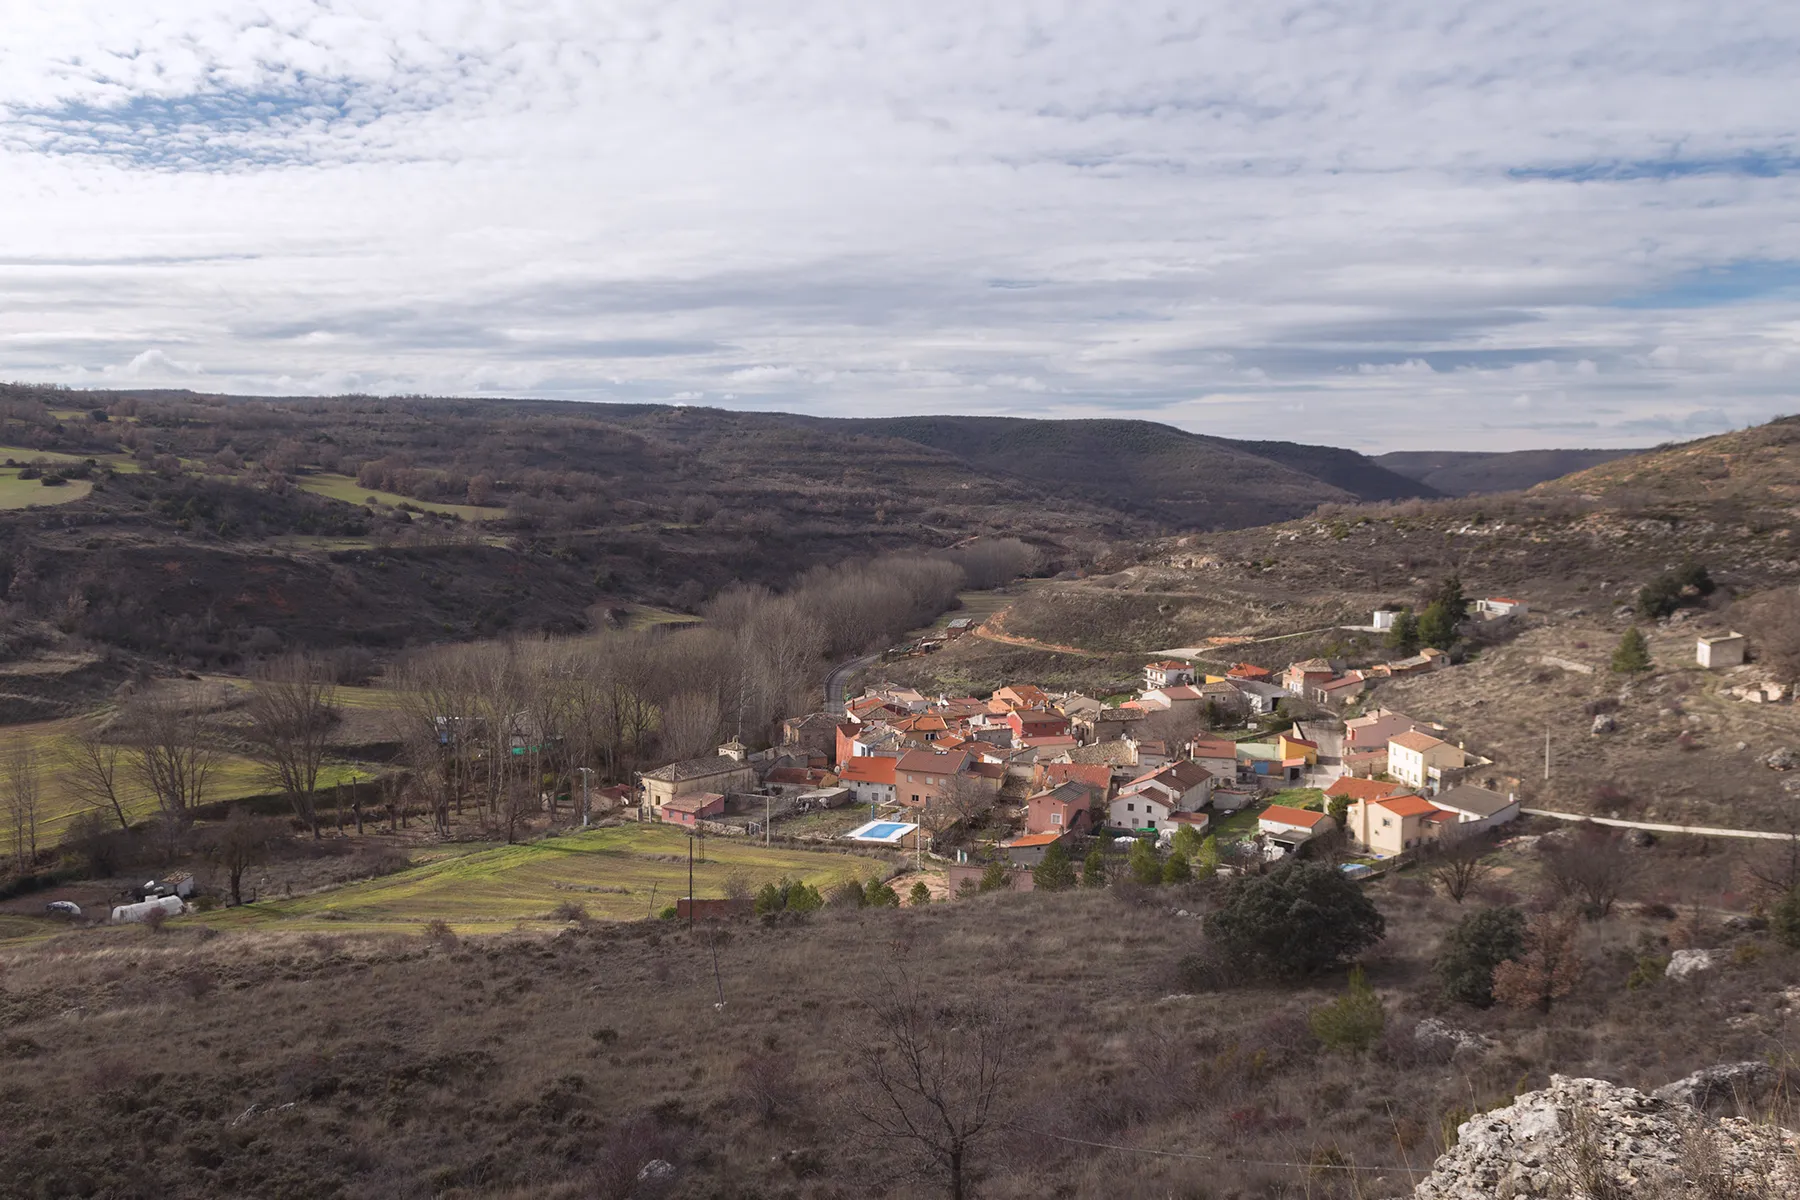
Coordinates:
(879,894)
(769,899)
(1206,862)
(920,894)
(1177,869)
(1301,918)
(668,914)
(1146,868)
(804,898)
(1633,653)
(1187,842)
(848,894)
(1784,918)
(1055,873)
(1353,1021)
(1481,941)
(995,877)
(1548,968)
(1093,869)
(570,910)
(1674,589)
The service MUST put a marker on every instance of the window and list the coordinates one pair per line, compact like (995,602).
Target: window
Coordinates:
(1056,818)
(1386,822)
(1131,808)
(915,797)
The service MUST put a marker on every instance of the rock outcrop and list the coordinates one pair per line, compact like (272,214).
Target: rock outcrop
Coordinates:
(1684,963)
(1746,1081)
(1586,1137)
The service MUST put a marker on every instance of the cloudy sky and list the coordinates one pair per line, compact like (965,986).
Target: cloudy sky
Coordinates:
(1376,223)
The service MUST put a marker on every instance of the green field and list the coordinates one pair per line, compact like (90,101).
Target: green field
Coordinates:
(30,493)
(231,779)
(1312,798)
(492,890)
(342,487)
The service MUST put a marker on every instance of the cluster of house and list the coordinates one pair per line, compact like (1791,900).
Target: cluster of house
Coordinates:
(1063,764)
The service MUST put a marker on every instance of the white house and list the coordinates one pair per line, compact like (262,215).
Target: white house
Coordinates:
(1263,697)
(1501,606)
(1150,810)
(1288,827)
(1384,619)
(1168,673)
(1721,650)
(1417,759)
(1180,787)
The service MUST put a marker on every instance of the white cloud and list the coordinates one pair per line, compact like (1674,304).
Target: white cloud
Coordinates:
(1384,212)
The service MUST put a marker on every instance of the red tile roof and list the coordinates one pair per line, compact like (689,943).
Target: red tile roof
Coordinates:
(1283,814)
(1034,839)
(925,762)
(1416,741)
(868,768)
(1408,806)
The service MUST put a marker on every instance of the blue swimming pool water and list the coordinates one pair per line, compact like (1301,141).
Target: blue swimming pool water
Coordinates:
(882,830)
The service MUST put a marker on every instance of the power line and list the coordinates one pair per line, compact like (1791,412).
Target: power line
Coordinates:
(1245,1162)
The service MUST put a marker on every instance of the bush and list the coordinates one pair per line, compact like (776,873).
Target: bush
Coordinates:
(1481,941)
(920,894)
(1633,653)
(668,914)
(1354,1021)
(1146,868)
(787,896)
(1177,869)
(1093,869)
(878,894)
(995,878)
(1187,842)
(1054,873)
(848,894)
(1674,589)
(1301,918)
(1784,919)
(570,910)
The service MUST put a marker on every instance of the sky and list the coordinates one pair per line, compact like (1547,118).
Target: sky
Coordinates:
(1385,225)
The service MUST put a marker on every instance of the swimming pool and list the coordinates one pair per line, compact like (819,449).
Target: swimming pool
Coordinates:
(881,831)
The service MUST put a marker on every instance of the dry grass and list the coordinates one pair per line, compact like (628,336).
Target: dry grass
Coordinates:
(390,1065)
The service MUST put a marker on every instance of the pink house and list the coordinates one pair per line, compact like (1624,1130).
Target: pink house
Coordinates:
(691,809)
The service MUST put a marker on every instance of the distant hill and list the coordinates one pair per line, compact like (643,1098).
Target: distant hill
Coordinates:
(1475,472)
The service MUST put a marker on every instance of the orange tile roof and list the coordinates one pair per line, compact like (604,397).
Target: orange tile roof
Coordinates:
(1287,815)
(868,768)
(1363,789)
(1034,839)
(1408,806)
(1248,671)
(1416,741)
(1215,749)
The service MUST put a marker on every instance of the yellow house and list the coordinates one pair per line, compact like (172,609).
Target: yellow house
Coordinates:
(1414,757)
(1394,824)
(1293,747)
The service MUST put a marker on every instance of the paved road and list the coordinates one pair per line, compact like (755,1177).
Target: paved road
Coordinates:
(840,675)
(1698,830)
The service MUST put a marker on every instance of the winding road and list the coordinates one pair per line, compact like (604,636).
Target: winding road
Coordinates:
(840,675)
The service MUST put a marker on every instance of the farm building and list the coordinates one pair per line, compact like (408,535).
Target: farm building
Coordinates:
(1721,650)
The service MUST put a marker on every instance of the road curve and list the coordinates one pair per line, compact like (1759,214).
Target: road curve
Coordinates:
(840,675)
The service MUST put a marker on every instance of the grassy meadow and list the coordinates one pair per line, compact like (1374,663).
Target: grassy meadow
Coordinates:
(613,873)
(343,487)
(233,777)
(18,493)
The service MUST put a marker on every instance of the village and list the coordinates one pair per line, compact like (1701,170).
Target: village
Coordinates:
(1238,768)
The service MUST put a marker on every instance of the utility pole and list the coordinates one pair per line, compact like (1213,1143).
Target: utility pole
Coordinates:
(690,879)
(1546,753)
(585,772)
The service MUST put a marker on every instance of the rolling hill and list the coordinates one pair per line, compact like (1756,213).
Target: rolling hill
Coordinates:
(1473,472)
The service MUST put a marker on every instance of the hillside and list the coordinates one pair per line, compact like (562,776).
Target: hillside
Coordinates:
(1759,467)
(1473,472)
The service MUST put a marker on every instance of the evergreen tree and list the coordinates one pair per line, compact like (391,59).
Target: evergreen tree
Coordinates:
(1437,627)
(1300,918)
(1354,1020)
(920,894)
(1093,869)
(1206,862)
(1481,941)
(1338,809)
(1784,918)
(1055,873)
(1450,594)
(995,878)
(771,898)
(1403,638)
(804,898)
(878,894)
(1187,841)
(1633,653)
(1177,869)
(1146,868)
(849,894)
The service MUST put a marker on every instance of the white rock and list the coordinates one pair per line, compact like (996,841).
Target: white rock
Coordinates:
(1683,963)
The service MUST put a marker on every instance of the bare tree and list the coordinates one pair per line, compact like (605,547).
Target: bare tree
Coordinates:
(169,751)
(90,769)
(1591,866)
(690,724)
(964,801)
(1458,865)
(292,710)
(22,784)
(237,845)
(933,1076)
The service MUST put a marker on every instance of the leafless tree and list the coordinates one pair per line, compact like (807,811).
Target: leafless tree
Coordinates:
(1773,623)
(1591,866)
(237,845)
(90,769)
(933,1077)
(170,752)
(1458,865)
(23,790)
(964,801)
(690,724)
(292,710)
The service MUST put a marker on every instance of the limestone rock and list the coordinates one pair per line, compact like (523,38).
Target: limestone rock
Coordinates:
(1544,1143)
(1748,1081)
(1603,723)
(1684,963)
(1783,759)
(1437,1038)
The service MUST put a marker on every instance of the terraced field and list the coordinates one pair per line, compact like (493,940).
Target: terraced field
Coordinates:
(623,873)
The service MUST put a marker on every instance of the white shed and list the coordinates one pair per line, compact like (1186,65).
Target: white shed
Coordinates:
(168,905)
(1723,650)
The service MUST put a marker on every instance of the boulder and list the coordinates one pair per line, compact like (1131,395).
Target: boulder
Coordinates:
(1437,1039)
(1627,1143)
(657,1170)
(1603,723)
(1640,838)
(1748,1082)
(1684,963)
(1783,759)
